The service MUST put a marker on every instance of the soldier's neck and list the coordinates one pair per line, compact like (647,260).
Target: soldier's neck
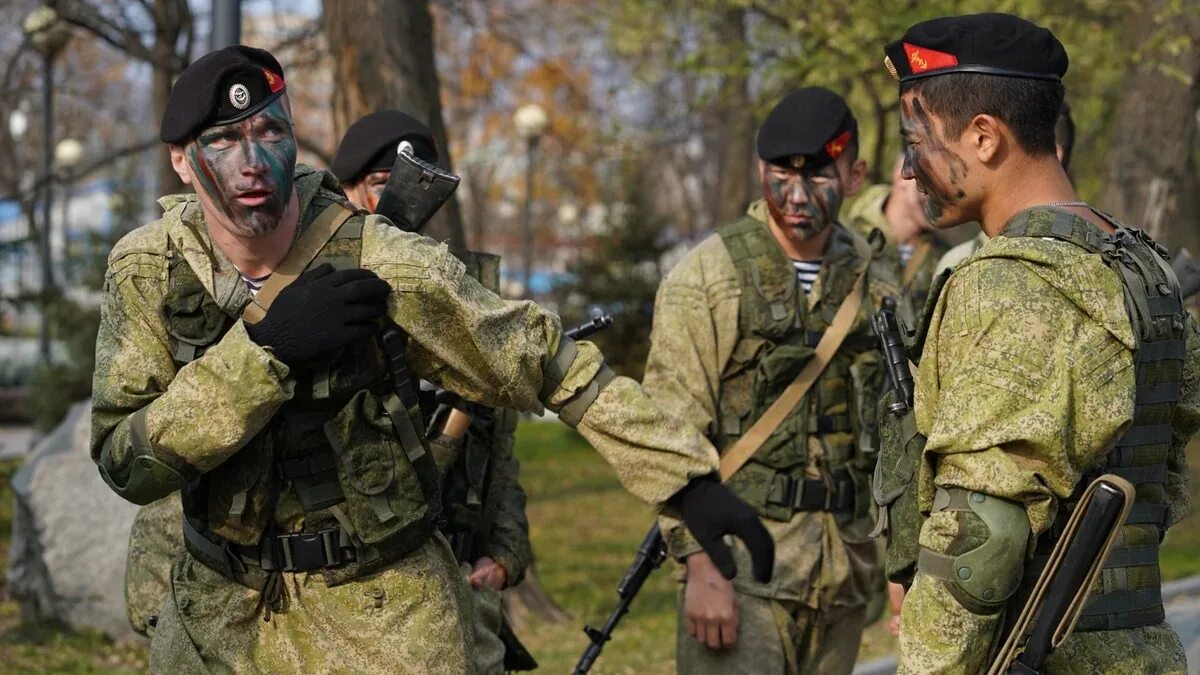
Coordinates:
(257,256)
(812,248)
(1037,181)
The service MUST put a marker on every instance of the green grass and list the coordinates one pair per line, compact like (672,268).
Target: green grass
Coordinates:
(585,529)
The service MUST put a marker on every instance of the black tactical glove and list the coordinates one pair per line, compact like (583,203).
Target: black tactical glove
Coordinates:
(711,511)
(321,311)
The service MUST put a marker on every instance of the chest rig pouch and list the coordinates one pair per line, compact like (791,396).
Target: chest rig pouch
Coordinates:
(345,460)
(1128,595)
(901,451)
(778,335)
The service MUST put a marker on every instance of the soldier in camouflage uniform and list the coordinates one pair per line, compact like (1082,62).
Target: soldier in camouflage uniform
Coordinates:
(499,527)
(734,323)
(310,496)
(483,503)
(1057,353)
(895,209)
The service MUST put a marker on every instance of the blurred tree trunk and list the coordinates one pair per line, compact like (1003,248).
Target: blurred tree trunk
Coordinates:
(171,19)
(384,59)
(1151,181)
(737,170)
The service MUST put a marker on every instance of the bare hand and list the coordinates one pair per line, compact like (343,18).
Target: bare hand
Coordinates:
(709,604)
(895,601)
(489,572)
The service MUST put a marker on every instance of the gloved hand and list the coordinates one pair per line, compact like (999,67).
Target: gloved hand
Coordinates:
(711,511)
(321,311)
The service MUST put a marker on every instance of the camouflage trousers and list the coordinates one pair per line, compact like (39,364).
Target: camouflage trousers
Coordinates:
(777,637)
(488,653)
(412,617)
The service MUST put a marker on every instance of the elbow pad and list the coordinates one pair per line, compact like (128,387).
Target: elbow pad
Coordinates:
(149,479)
(983,578)
(555,370)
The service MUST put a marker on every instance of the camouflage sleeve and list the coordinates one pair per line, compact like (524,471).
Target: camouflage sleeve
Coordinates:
(194,419)
(1011,368)
(693,336)
(468,340)
(1186,422)
(508,542)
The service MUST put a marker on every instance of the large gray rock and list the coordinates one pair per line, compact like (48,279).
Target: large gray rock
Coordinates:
(70,535)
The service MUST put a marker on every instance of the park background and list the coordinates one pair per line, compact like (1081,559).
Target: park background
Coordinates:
(597,141)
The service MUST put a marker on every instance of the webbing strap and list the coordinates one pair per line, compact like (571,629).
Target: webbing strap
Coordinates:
(744,448)
(556,368)
(1131,556)
(1146,434)
(573,411)
(1165,305)
(298,258)
(1147,514)
(1161,350)
(1124,601)
(1153,394)
(1140,475)
(139,435)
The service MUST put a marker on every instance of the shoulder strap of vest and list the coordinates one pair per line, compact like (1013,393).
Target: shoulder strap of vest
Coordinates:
(744,448)
(306,248)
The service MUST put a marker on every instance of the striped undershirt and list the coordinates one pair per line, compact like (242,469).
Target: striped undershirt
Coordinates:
(806,272)
(255,283)
(906,251)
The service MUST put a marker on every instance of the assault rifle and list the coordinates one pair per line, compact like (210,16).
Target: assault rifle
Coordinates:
(887,328)
(650,556)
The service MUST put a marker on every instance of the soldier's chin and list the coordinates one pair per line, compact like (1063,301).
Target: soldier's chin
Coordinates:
(258,223)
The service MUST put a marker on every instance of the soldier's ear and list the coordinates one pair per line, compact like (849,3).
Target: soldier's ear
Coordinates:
(858,175)
(179,162)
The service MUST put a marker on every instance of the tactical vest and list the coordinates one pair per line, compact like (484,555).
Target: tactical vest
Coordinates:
(346,454)
(777,336)
(1129,593)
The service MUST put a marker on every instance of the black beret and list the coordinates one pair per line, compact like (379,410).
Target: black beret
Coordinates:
(989,44)
(221,87)
(370,144)
(809,127)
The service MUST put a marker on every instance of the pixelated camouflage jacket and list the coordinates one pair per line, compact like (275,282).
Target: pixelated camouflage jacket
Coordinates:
(1026,380)
(866,214)
(695,332)
(462,338)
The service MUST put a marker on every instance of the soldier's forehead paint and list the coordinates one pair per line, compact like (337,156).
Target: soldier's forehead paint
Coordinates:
(812,196)
(939,172)
(246,168)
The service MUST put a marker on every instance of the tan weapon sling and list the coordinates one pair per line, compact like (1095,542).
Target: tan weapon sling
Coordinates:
(914,263)
(744,448)
(307,247)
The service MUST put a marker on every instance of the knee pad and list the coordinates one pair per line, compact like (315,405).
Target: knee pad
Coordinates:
(985,576)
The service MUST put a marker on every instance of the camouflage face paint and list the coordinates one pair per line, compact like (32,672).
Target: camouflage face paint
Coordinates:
(246,168)
(807,199)
(939,172)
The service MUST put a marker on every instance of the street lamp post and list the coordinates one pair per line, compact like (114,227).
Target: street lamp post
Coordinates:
(531,122)
(67,156)
(48,36)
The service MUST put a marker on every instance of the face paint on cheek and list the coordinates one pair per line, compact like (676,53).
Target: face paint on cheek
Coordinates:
(777,186)
(206,176)
(927,158)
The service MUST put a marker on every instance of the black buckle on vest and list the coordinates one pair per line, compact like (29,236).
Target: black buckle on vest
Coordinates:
(309,551)
(806,494)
